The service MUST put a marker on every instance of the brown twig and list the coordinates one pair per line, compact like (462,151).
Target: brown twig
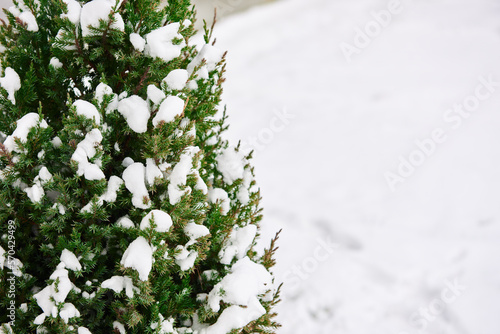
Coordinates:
(5,153)
(141,83)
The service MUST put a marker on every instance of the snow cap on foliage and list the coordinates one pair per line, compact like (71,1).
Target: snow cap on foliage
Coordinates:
(185,258)
(114,185)
(109,196)
(96,10)
(6,329)
(11,82)
(246,281)
(118,283)
(125,222)
(241,287)
(70,260)
(159,42)
(36,192)
(219,195)
(30,20)
(164,326)
(234,317)
(177,79)
(55,294)
(179,174)
(134,176)
(139,256)
(137,41)
(24,125)
(212,56)
(200,184)
(171,107)
(119,327)
(55,63)
(231,164)
(243,194)
(239,243)
(68,311)
(86,150)
(87,109)
(73,12)
(152,171)
(195,231)
(155,94)
(136,113)
(101,90)
(162,220)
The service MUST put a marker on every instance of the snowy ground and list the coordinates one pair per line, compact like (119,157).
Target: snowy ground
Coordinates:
(356,256)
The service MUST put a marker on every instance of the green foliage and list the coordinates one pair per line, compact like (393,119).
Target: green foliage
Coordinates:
(57,66)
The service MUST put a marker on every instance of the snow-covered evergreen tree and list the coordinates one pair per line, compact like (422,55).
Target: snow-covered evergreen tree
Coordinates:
(122,210)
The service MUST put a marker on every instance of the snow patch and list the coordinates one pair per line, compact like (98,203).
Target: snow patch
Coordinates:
(159,42)
(239,243)
(88,110)
(219,195)
(136,113)
(70,260)
(11,82)
(2,257)
(162,220)
(36,192)
(30,20)
(195,231)
(171,107)
(152,172)
(68,311)
(177,79)
(155,94)
(212,56)
(231,164)
(54,295)
(101,90)
(118,283)
(179,174)
(73,11)
(242,286)
(125,222)
(96,10)
(24,125)
(185,258)
(139,256)
(86,150)
(55,63)
(134,176)
(119,327)
(109,196)
(137,41)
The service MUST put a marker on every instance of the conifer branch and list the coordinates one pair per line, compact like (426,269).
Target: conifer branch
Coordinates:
(269,253)
(4,152)
(80,51)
